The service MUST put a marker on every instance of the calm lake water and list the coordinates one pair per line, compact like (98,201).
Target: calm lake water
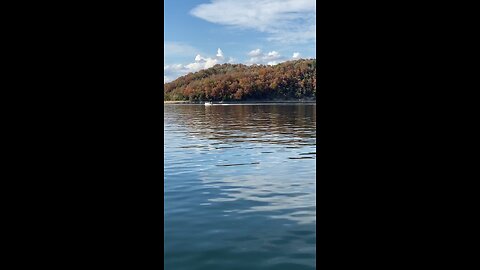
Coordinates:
(240,187)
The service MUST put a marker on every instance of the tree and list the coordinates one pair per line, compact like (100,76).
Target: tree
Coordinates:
(293,79)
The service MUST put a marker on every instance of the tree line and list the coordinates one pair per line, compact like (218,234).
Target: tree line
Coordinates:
(237,82)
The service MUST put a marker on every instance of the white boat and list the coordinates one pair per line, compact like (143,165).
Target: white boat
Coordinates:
(208,103)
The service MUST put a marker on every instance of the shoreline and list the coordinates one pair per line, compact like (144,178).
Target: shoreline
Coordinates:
(246,102)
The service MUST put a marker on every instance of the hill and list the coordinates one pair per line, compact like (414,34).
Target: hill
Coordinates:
(237,82)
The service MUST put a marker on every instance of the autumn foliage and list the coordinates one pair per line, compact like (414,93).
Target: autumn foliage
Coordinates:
(229,82)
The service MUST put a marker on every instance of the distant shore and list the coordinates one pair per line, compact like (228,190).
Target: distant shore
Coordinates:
(244,102)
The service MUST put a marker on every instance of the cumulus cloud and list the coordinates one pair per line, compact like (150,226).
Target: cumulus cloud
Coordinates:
(287,21)
(171,72)
(219,53)
(270,58)
(255,53)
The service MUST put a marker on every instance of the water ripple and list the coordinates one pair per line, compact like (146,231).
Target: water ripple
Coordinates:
(239,187)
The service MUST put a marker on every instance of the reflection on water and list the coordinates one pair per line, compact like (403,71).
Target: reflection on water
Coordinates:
(240,187)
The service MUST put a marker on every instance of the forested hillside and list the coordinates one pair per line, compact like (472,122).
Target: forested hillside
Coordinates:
(229,82)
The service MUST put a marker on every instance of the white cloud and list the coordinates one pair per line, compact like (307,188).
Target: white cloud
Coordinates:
(219,53)
(255,53)
(171,72)
(270,58)
(287,21)
(273,54)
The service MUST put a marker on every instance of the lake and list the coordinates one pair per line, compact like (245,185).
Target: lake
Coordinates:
(240,189)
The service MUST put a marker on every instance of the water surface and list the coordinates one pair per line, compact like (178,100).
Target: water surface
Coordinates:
(240,187)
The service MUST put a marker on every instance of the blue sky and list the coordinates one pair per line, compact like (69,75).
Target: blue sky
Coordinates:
(201,33)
